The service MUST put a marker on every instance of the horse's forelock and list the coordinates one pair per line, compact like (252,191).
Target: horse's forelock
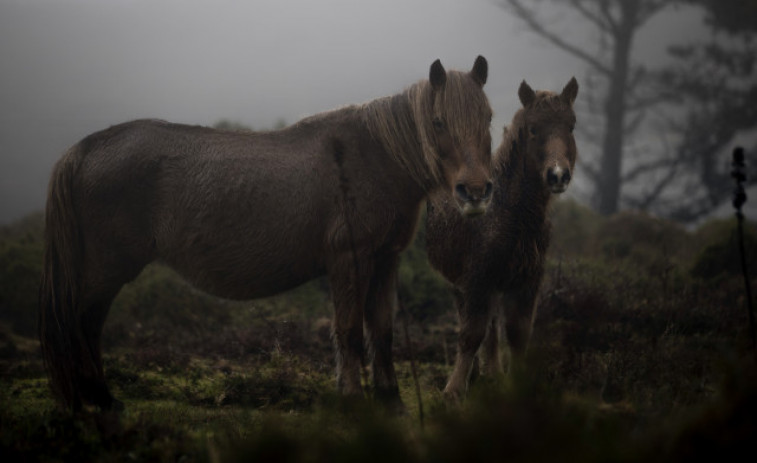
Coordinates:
(466,108)
(546,101)
(404,122)
(550,101)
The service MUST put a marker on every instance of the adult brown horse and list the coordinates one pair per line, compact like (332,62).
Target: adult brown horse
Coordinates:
(498,259)
(247,215)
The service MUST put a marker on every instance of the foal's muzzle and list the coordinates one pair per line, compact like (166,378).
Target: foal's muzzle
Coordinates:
(473,201)
(558,179)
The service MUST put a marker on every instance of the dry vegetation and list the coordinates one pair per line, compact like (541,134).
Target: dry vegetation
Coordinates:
(641,352)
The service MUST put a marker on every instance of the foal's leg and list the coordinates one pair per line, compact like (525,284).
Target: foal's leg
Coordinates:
(490,347)
(473,310)
(379,321)
(349,279)
(520,309)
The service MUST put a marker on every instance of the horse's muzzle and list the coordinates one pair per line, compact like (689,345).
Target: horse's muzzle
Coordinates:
(558,179)
(473,201)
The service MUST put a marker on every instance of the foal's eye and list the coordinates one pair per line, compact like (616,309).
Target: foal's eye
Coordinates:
(532,132)
(438,124)
(572,126)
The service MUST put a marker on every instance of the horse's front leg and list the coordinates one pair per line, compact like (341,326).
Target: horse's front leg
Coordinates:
(349,280)
(520,311)
(474,313)
(379,320)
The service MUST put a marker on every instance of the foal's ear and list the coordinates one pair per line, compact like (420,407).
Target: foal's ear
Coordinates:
(480,70)
(437,75)
(570,91)
(526,94)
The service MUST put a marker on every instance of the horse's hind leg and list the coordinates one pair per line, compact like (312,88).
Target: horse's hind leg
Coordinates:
(379,323)
(349,279)
(474,313)
(100,289)
(93,389)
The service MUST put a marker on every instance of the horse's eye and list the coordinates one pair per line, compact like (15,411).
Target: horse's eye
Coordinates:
(438,123)
(532,132)
(572,126)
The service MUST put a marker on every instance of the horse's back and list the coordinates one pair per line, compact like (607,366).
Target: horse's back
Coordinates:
(240,215)
(200,199)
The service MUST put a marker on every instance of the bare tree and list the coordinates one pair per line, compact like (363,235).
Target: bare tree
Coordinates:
(623,104)
(715,81)
(699,102)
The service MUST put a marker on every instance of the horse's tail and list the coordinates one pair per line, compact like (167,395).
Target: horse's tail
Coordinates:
(59,294)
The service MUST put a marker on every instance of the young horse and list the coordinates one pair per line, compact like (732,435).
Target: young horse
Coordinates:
(247,215)
(498,260)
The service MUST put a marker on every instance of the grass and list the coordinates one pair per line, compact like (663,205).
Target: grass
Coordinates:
(640,352)
(239,412)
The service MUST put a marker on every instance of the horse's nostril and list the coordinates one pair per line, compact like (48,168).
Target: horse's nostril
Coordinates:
(551,177)
(488,190)
(566,177)
(461,191)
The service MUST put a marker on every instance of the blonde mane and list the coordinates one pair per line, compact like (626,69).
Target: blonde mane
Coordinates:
(403,123)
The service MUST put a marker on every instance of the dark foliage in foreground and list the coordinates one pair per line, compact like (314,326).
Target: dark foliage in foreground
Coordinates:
(640,353)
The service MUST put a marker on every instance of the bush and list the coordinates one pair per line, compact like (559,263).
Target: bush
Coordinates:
(720,253)
(574,226)
(20,271)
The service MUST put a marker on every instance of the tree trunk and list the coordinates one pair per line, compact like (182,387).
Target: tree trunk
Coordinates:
(615,109)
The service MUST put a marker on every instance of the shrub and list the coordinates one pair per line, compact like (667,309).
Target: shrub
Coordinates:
(720,253)
(20,270)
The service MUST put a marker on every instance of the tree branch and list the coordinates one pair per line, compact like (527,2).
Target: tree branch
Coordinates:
(657,190)
(591,171)
(599,21)
(650,8)
(641,103)
(604,8)
(647,167)
(631,127)
(528,16)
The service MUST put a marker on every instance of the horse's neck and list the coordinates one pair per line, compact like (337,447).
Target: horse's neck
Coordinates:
(523,196)
(391,121)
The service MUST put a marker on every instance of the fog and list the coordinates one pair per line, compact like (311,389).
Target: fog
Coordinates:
(71,67)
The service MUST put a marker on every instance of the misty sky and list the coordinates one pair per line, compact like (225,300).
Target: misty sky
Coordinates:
(71,67)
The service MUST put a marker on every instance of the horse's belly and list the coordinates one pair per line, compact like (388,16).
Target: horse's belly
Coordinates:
(244,283)
(246,270)
(250,288)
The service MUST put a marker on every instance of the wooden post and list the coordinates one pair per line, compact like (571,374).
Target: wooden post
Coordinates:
(739,198)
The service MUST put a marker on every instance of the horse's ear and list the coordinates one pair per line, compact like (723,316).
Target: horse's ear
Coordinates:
(570,91)
(480,70)
(526,94)
(437,75)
